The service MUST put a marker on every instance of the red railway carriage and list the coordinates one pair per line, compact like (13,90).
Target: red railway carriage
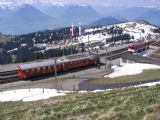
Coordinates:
(44,67)
(138,46)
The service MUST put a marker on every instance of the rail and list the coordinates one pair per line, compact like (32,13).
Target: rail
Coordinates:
(11,76)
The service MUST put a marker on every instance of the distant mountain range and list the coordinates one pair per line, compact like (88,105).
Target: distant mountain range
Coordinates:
(151,15)
(26,18)
(23,19)
(106,21)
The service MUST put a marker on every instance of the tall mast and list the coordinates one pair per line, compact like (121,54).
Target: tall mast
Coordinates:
(80,30)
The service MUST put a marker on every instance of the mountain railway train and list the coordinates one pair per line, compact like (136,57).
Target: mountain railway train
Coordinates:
(62,64)
(138,46)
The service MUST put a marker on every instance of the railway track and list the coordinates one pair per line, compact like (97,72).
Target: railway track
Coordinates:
(8,76)
(6,73)
(12,76)
(118,53)
(9,80)
(114,54)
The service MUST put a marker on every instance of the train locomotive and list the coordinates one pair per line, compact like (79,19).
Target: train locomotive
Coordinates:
(61,64)
(138,46)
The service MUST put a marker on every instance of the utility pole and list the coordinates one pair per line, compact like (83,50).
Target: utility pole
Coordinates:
(140,36)
(106,60)
(80,30)
(63,40)
(63,51)
(55,67)
(55,73)
(72,36)
(80,33)
(110,64)
(72,46)
(98,65)
(88,40)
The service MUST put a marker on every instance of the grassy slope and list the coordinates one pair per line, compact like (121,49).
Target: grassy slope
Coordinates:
(147,75)
(131,103)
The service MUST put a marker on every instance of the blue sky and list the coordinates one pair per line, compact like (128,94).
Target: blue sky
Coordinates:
(144,3)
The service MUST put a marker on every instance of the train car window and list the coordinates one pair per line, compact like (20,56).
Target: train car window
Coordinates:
(52,67)
(41,69)
(26,71)
(44,68)
(38,69)
(35,70)
(49,67)
(32,70)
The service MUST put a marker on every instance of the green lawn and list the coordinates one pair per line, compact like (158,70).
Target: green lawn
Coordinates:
(147,75)
(124,104)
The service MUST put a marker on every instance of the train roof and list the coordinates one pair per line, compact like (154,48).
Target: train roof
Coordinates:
(139,43)
(36,64)
(51,62)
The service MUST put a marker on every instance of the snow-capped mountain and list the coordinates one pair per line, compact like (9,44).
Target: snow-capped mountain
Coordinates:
(83,14)
(71,13)
(8,5)
(24,19)
(30,14)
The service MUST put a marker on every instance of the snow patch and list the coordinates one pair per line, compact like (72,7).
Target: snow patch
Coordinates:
(30,94)
(130,69)
(148,84)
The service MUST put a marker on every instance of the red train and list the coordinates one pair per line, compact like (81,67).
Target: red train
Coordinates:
(44,67)
(139,46)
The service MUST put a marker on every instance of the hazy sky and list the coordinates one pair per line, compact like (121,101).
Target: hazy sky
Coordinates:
(148,3)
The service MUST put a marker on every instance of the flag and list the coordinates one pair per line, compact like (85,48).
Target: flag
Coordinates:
(73,31)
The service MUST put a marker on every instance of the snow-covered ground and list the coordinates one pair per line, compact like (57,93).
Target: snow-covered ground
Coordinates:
(94,38)
(30,94)
(139,30)
(27,95)
(130,69)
